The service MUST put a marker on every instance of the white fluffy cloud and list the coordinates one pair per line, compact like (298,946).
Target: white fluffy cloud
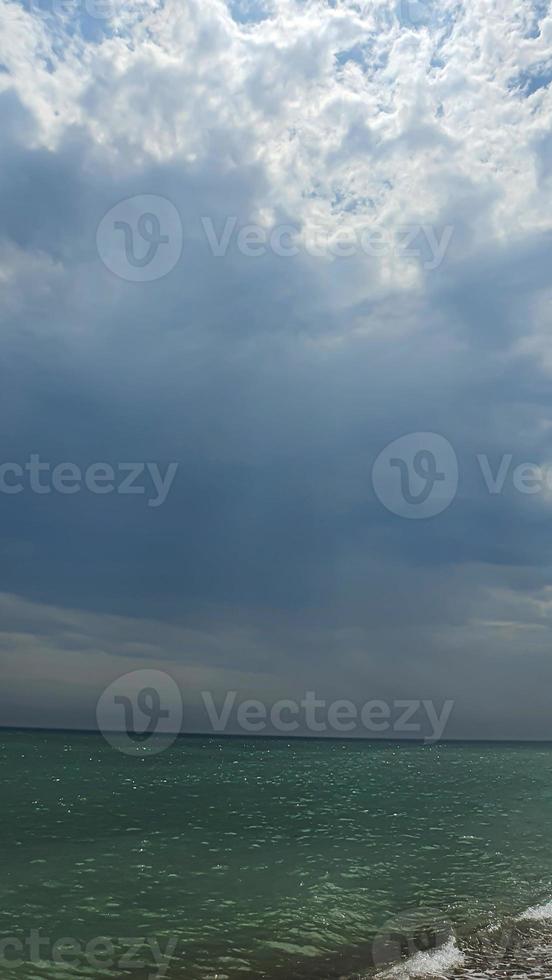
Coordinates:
(353,112)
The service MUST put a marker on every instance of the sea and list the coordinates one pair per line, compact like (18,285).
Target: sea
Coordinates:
(271,858)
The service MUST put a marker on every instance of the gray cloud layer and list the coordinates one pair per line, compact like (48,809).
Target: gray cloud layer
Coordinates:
(272,566)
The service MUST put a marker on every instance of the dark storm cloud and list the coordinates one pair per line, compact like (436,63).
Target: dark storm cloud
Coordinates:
(274,383)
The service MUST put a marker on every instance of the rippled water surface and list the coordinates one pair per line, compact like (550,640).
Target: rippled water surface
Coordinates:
(259,857)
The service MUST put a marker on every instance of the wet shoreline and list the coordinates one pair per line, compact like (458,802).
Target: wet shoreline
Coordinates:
(519,950)
(528,956)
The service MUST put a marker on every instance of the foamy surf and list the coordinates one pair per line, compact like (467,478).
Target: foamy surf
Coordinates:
(433,963)
(538,913)
(506,950)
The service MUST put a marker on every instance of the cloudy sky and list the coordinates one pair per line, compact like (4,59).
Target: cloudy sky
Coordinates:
(262,241)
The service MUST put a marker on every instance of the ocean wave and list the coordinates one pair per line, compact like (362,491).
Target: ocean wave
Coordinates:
(433,963)
(538,913)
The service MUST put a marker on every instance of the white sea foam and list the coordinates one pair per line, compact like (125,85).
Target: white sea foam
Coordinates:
(433,963)
(539,913)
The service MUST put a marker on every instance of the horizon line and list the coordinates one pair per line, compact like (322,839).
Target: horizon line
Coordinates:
(289,737)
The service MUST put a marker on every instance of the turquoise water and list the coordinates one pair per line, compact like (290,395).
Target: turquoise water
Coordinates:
(259,858)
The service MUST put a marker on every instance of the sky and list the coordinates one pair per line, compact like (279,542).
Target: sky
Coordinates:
(291,259)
